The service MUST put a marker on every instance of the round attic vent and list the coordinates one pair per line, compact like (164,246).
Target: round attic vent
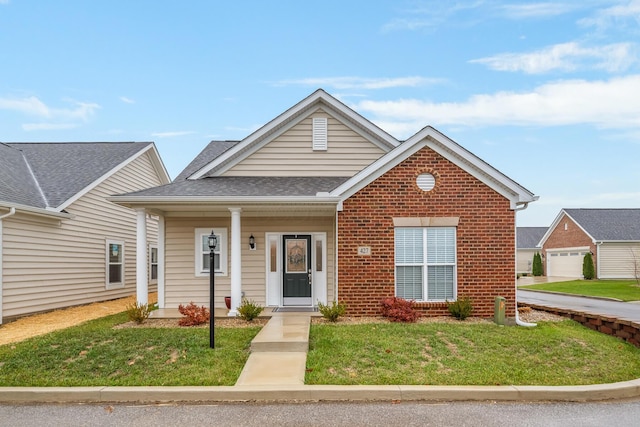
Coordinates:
(426,181)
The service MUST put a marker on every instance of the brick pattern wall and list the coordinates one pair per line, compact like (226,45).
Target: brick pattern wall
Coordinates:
(485,236)
(572,237)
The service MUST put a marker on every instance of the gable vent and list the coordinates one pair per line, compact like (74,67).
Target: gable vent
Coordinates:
(319,134)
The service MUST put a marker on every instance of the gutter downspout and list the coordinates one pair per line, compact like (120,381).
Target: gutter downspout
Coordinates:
(518,321)
(12,211)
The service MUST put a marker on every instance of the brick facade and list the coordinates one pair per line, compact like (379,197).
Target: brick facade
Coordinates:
(572,237)
(485,235)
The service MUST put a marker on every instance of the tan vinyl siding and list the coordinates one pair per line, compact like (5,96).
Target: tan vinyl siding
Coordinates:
(50,264)
(619,261)
(525,260)
(182,286)
(291,154)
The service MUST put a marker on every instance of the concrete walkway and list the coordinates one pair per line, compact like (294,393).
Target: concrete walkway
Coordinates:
(279,352)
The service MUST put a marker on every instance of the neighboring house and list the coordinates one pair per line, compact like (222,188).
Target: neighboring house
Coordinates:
(61,242)
(611,235)
(321,205)
(527,239)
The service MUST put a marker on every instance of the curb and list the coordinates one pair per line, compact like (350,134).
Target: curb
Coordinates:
(314,393)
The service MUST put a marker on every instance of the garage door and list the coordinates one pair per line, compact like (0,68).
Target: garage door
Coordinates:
(565,263)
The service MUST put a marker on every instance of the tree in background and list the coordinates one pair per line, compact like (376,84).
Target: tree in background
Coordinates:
(536,269)
(588,271)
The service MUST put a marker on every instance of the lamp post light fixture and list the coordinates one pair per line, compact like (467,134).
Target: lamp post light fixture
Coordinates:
(213,243)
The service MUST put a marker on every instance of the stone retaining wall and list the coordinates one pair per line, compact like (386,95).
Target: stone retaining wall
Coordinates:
(624,329)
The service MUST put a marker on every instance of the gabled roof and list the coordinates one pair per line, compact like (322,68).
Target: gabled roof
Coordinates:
(528,237)
(450,150)
(50,176)
(285,121)
(603,225)
(211,151)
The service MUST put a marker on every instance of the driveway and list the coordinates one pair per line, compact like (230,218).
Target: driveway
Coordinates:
(607,308)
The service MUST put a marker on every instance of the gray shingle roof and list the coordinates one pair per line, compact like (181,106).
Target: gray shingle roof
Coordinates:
(608,224)
(244,186)
(17,183)
(61,170)
(529,237)
(210,152)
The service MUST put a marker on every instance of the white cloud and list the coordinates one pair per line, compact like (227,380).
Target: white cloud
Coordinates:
(606,104)
(172,134)
(29,127)
(564,57)
(127,100)
(536,10)
(605,18)
(352,82)
(29,105)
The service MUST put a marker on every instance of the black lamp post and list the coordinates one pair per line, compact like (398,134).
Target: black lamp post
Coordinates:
(213,242)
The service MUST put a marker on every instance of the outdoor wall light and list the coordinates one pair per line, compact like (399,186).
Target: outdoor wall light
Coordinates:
(252,243)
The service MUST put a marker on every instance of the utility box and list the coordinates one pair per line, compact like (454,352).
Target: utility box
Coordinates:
(498,310)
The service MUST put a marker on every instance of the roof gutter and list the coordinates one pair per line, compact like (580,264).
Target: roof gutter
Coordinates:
(36,211)
(519,322)
(12,211)
(224,200)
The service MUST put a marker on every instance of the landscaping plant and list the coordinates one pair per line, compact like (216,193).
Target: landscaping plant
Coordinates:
(138,312)
(333,311)
(249,309)
(461,308)
(194,315)
(588,271)
(536,268)
(399,310)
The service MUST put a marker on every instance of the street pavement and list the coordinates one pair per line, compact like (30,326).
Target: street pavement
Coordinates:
(605,307)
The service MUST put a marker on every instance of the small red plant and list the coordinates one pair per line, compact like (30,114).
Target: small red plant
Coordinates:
(399,310)
(194,315)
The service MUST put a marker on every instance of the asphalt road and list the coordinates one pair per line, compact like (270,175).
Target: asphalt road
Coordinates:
(620,310)
(405,414)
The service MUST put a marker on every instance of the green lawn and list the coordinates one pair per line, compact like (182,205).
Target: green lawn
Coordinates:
(95,354)
(624,290)
(462,353)
(562,353)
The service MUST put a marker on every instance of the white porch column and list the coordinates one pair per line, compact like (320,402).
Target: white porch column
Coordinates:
(236,261)
(161,240)
(142,282)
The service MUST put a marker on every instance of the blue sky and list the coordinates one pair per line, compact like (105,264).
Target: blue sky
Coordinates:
(546,92)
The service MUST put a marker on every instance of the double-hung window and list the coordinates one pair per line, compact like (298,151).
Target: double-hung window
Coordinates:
(203,252)
(115,264)
(425,260)
(153,263)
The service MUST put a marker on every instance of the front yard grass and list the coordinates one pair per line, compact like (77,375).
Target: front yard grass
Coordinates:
(95,354)
(624,290)
(553,353)
(459,353)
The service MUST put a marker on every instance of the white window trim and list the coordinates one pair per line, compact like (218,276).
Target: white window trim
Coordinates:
(120,284)
(425,265)
(151,248)
(222,249)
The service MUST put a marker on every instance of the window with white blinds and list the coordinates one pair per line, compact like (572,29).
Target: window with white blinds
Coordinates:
(425,261)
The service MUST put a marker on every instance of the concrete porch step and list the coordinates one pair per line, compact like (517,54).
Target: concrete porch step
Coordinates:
(286,333)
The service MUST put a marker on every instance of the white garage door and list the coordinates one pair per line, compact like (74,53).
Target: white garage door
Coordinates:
(565,263)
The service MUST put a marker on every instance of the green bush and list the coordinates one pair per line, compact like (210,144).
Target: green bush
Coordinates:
(588,270)
(461,308)
(333,311)
(249,309)
(138,312)
(536,268)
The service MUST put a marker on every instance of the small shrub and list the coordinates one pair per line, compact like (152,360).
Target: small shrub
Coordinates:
(333,311)
(249,309)
(138,312)
(588,270)
(194,315)
(399,310)
(461,308)
(536,268)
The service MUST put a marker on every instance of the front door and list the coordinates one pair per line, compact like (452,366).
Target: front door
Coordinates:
(296,288)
